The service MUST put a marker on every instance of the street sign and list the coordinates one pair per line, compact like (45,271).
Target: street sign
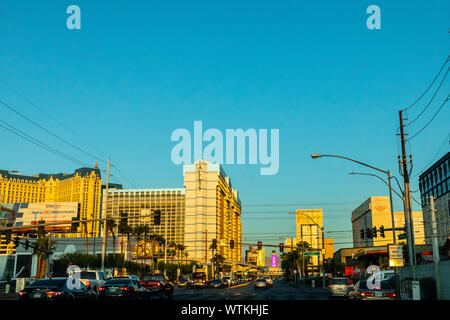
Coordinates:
(395,255)
(402,236)
(311,253)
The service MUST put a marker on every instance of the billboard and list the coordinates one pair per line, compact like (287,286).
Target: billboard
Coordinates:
(274,260)
(32,213)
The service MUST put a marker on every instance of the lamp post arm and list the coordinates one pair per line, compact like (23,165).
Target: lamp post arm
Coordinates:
(356,161)
(384,181)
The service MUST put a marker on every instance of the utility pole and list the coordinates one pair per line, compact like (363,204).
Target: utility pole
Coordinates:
(165,240)
(407,201)
(104,233)
(436,258)
(206,248)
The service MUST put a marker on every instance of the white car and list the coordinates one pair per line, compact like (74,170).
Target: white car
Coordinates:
(92,279)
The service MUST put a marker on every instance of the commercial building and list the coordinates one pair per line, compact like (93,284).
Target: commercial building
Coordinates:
(255,257)
(309,228)
(206,208)
(435,181)
(329,248)
(376,212)
(162,210)
(213,211)
(289,243)
(82,186)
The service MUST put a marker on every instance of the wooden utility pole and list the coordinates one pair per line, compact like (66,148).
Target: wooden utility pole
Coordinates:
(407,199)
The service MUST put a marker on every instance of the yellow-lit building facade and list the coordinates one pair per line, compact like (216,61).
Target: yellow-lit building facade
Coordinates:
(309,226)
(289,243)
(376,212)
(329,248)
(213,211)
(83,186)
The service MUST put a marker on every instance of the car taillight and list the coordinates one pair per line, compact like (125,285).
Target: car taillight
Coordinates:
(366,294)
(125,288)
(390,294)
(53,293)
(21,293)
(158,284)
(101,289)
(88,283)
(331,287)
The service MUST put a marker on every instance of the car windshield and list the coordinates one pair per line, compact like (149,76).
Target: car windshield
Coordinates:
(155,277)
(57,283)
(87,275)
(339,281)
(384,285)
(118,281)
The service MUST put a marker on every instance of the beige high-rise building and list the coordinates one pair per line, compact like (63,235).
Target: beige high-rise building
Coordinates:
(376,212)
(213,211)
(309,227)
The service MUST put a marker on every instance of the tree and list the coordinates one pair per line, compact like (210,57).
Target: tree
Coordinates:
(45,244)
(111,225)
(218,260)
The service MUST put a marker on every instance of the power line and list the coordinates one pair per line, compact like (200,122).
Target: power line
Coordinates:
(25,136)
(431,100)
(63,125)
(432,118)
(120,172)
(431,84)
(446,141)
(49,132)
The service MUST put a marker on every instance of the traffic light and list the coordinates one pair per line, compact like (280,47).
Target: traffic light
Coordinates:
(74,226)
(259,245)
(369,233)
(41,229)
(214,244)
(281,247)
(362,234)
(231,244)
(382,231)
(157,217)
(374,232)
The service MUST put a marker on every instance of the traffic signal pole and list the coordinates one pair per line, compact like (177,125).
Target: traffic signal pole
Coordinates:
(104,233)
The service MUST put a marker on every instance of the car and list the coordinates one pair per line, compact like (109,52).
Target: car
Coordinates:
(56,289)
(339,287)
(157,284)
(122,288)
(217,283)
(227,281)
(129,276)
(183,283)
(386,291)
(269,280)
(93,279)
(261,283)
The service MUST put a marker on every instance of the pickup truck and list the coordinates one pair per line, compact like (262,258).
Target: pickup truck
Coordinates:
(92,279)
(157,284)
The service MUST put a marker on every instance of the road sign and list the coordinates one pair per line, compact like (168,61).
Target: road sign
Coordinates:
(402,236)
(395,255)
(311,253)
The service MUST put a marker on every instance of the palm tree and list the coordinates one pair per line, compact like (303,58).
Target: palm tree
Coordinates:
(111,225)
(40,246)
(218,260)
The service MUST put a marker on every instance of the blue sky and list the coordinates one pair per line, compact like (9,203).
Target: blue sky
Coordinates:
(137,70)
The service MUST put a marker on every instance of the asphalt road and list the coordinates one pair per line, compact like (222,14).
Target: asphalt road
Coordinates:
(281,290)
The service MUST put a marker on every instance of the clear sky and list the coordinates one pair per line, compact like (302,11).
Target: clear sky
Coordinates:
(137,70)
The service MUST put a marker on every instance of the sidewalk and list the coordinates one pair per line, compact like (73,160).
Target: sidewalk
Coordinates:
(8,296)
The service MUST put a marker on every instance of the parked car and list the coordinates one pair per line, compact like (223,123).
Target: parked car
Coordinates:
(386,291)
(339,287)
(217,283)
(55,289)
(122,288)
(93,279)
(261,283)
(158,284)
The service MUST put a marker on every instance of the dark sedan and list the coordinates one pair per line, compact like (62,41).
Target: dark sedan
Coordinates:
(217,283)
(55,289)
(122,288)
(158,285)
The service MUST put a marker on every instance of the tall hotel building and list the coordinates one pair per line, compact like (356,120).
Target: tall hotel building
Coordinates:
(83,186)
(206,208)
(139,206)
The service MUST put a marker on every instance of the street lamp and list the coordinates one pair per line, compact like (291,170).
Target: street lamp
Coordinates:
(388,173)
